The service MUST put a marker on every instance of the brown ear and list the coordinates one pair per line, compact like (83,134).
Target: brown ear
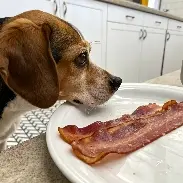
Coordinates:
(26,63)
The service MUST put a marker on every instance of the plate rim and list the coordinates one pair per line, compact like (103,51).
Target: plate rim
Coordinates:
(61,166)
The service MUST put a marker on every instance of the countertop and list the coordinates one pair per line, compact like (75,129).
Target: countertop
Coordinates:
(139,7)
(30,161)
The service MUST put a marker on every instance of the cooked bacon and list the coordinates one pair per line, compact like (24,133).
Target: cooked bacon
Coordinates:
(71,133)
(123,139)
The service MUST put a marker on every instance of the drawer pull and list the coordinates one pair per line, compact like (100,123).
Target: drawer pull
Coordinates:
(179,27)
(157,22)
(96,42)
(129,16)
(165,10)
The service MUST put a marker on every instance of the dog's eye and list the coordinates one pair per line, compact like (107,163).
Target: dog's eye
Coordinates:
(81,60)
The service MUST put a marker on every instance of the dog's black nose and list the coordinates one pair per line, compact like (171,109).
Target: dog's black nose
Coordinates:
(115,82)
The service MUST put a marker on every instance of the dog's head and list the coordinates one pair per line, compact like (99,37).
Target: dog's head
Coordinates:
(43,59)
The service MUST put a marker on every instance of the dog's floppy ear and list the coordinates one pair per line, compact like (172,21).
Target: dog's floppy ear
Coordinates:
(26,63)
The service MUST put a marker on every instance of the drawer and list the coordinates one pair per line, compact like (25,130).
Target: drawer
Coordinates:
(175,25)
(155,21)
(124,15)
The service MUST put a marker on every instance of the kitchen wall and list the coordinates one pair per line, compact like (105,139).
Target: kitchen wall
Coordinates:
(174,7)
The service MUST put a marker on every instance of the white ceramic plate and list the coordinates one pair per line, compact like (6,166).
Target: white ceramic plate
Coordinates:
(158,162)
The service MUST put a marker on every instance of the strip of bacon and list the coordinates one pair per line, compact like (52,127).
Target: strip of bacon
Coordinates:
(123,139)
(71,133)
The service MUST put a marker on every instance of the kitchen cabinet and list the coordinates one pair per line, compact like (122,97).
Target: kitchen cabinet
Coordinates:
(90,17)
(135,41)
(12,8)
(151,53)
(134,53)
(124,51)
(173,52)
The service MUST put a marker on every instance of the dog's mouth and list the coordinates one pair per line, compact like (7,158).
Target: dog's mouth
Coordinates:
(77,102)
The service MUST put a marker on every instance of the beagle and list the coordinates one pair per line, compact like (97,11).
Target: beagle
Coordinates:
(44,59)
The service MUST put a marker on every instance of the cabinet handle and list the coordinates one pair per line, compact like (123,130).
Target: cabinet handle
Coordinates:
(95,42)
(56,6)
(179,27)
(157,22)
(168,36)
(145,34)
(165,10)
(142,34)
(65,8)
(129,16)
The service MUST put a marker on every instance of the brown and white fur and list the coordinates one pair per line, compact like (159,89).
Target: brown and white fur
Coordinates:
(44,59)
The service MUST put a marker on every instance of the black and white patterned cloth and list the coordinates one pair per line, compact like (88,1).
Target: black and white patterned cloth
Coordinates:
(32,124)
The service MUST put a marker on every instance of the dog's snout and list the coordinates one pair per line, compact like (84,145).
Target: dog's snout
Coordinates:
(115,82)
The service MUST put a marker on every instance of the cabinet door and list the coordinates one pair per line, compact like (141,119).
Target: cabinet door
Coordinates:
(12,8)
(173,52)
(90,18)
(123,51)
(152,54)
